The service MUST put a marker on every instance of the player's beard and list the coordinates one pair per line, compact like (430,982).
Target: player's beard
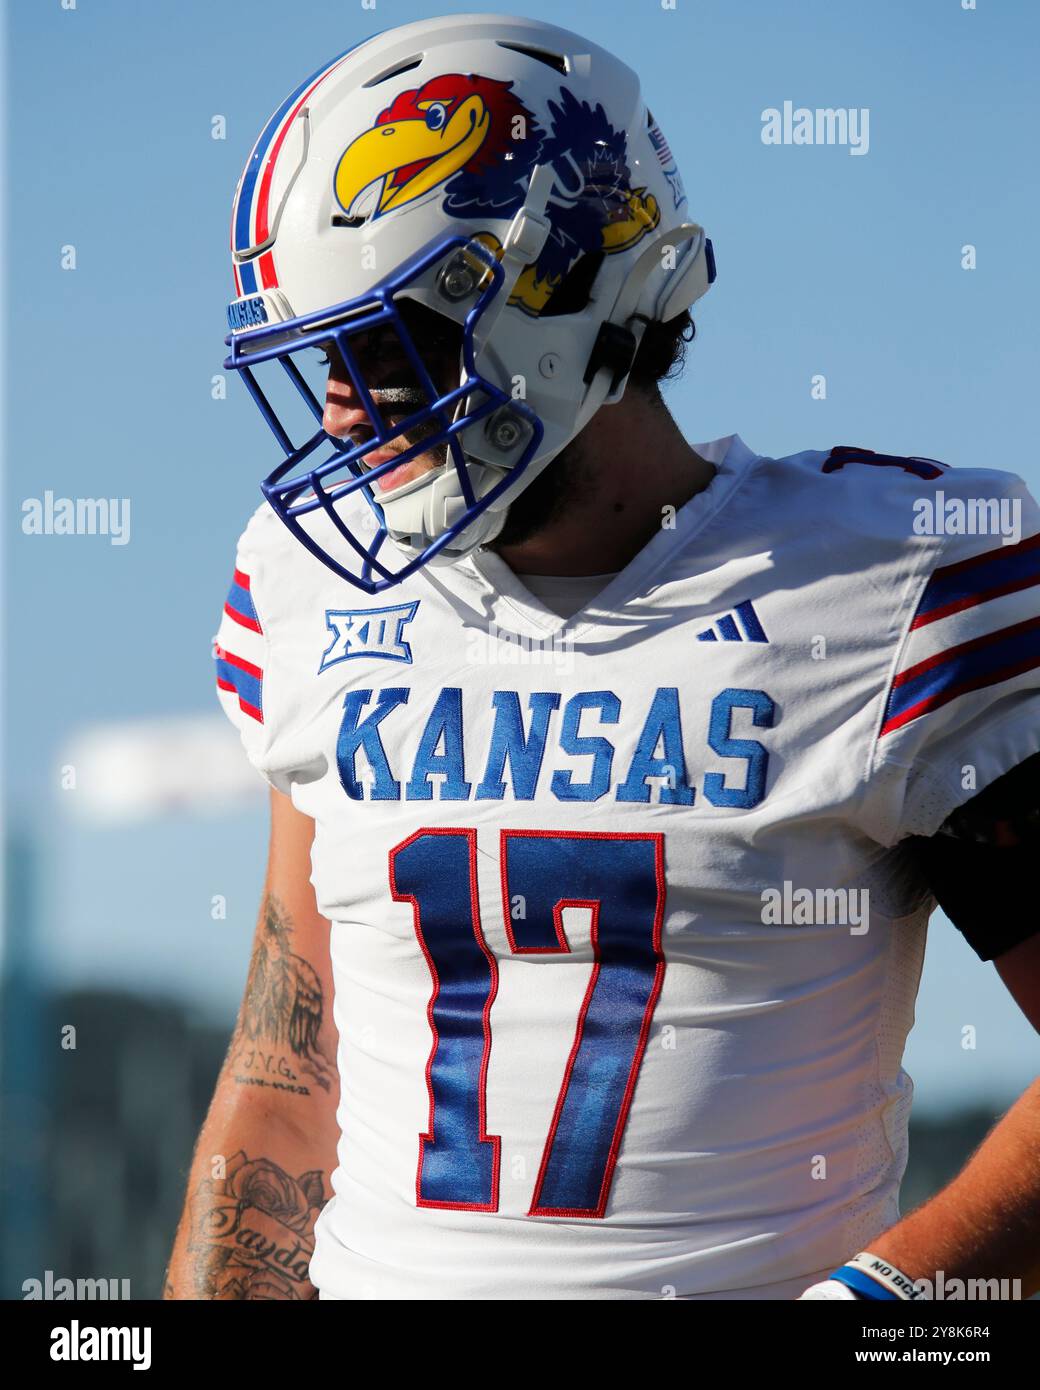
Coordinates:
(565,483)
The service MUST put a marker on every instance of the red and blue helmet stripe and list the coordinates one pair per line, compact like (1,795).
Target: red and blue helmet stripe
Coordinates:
(250,215)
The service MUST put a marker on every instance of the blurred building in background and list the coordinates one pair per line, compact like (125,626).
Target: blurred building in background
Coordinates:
(128,919)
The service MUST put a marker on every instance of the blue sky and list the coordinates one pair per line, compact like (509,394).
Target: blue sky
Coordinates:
(828,263)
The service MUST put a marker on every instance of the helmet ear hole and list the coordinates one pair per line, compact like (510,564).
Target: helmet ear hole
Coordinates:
(573,292)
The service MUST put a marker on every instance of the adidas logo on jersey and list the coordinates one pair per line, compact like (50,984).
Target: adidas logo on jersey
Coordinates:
(728,629)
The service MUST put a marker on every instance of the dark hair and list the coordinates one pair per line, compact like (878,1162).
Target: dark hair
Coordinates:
(661,355)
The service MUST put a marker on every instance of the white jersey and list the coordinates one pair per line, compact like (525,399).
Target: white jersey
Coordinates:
(625,948)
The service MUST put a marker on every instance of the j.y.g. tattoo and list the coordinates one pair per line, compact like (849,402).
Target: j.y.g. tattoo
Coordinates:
(278,1042)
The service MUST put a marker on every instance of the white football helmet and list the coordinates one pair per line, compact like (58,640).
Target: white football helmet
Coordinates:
(501,172)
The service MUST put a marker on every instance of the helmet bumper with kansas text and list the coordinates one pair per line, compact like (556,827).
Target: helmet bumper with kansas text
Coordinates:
(504,174)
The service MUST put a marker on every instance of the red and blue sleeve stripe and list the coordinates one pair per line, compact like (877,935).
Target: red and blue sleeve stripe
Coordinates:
(984,661)
(242,678)
(239,603)
(992,574)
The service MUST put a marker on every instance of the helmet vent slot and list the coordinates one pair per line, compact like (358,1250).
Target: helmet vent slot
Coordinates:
(540,55)
(394,71)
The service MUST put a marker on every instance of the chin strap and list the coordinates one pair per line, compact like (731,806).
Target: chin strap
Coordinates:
(522,246)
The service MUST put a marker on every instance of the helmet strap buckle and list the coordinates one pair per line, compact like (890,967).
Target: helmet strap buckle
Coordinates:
(615,349)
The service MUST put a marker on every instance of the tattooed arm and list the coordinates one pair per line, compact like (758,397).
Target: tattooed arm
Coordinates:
(264,1158)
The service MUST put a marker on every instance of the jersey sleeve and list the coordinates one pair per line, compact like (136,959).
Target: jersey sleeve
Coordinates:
(254,657)
(962,705)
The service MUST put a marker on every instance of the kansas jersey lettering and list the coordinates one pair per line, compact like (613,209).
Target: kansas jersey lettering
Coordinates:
(580,1057)
(523,750)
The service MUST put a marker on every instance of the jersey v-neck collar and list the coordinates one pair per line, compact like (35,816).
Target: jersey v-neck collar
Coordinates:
(502,588)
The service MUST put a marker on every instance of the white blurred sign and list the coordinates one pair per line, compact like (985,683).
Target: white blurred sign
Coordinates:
(140,769)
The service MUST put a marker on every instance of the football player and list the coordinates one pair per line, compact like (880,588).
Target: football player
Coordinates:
(613,778)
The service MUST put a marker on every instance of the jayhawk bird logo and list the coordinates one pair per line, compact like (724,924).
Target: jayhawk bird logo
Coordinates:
(473,136)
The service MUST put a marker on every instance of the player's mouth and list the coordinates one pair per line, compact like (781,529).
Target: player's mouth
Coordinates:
(393,477)
(357,429)
(406,472)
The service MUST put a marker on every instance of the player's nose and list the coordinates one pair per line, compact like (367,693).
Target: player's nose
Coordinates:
(343,408)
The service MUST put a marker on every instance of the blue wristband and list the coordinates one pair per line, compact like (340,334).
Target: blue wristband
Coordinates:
(862,1284)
